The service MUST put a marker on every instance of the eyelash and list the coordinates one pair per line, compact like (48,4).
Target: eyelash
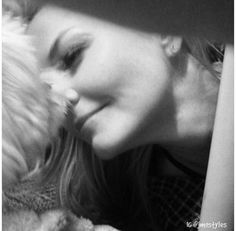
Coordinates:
(72,58)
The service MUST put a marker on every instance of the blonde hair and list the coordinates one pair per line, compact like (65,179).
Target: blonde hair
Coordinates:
(90,187)
(209,54)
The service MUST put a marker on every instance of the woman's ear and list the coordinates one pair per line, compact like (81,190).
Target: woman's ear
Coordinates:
(171,45)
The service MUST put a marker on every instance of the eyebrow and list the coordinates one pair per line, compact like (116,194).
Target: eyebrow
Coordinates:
(55,45)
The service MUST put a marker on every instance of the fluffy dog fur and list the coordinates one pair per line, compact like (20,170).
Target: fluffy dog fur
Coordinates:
(32,113)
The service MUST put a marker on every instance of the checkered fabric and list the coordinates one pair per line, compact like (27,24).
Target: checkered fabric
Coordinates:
(175,200)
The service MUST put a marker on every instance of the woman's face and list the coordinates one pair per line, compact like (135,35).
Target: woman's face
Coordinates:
(121,77)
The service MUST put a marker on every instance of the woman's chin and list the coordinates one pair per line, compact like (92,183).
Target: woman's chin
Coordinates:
(107,147)
(105,150)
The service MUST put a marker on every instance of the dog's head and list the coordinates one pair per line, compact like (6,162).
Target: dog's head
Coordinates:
(31,112)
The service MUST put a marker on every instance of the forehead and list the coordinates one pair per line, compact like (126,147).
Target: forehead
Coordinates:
(51,20)
(55,17)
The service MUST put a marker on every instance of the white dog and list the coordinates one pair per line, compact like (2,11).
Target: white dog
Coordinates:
(32,112)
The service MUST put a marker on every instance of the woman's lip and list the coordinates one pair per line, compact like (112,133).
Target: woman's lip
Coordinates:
(80,121)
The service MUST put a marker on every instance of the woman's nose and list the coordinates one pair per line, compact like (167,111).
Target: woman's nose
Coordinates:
(60,83)
(72,96)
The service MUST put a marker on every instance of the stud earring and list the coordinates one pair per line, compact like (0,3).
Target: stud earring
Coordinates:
(173,49)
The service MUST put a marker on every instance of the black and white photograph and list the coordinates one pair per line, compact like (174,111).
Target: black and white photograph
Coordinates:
(117,115)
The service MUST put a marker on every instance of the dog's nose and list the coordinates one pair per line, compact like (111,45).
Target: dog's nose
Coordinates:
(72,96)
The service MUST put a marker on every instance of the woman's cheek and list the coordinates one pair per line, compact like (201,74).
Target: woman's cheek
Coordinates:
(100,79)
(115,133)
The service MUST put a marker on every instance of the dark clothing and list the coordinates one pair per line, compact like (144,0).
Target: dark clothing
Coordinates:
(175,200)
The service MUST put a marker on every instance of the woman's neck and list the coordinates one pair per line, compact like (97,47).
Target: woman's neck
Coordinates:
(188,136)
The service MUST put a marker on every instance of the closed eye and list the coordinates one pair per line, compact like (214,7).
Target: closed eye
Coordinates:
(67,52)
(72,58)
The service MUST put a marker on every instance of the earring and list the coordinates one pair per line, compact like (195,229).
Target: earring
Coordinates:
(173,49)
(171,44)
